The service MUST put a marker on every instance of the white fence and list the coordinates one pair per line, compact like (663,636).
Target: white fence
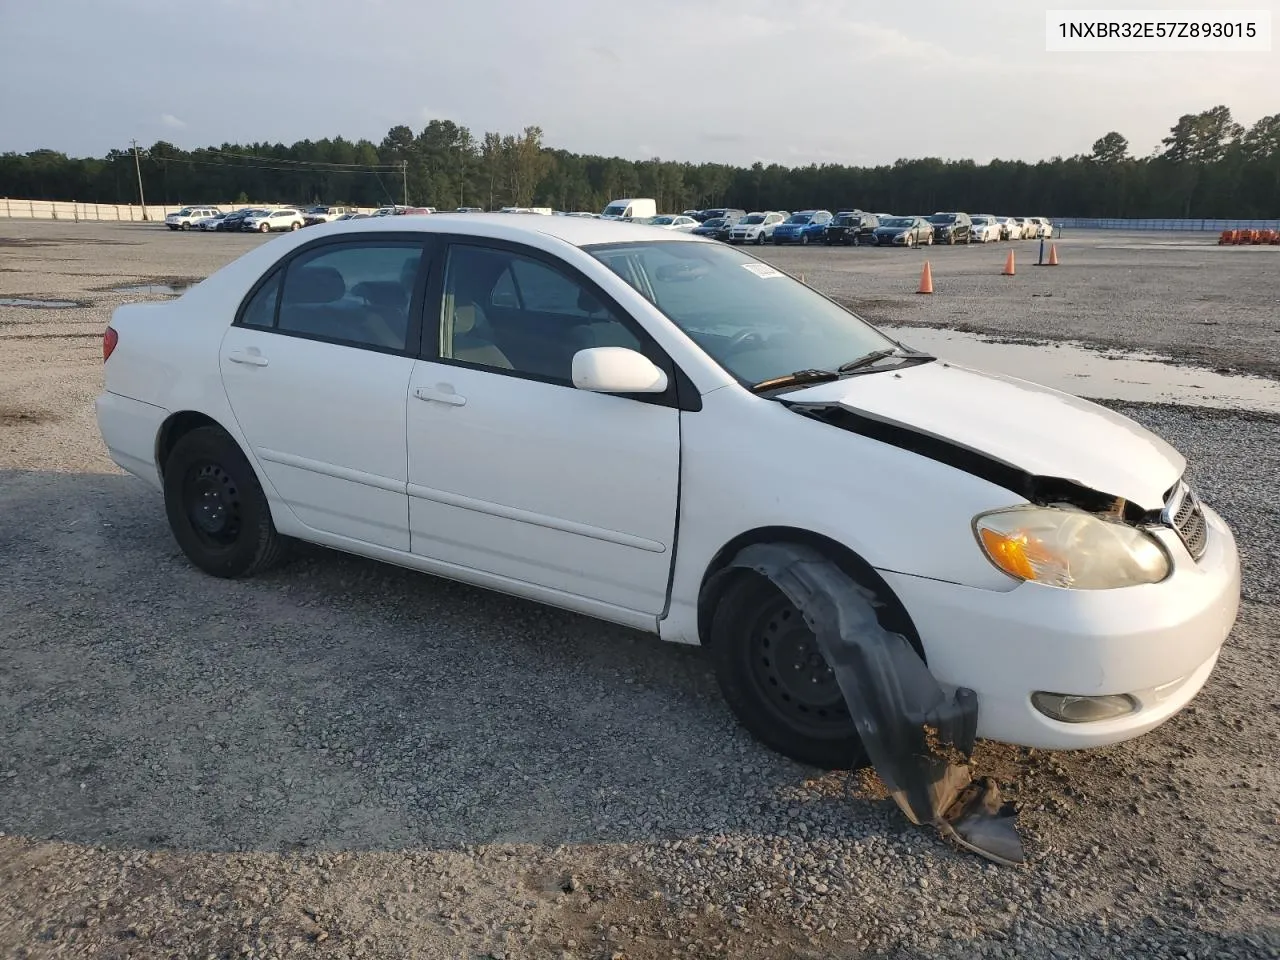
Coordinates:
(1214,226)
(76,212)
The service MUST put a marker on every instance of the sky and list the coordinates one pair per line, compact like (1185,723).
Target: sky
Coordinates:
(733,81)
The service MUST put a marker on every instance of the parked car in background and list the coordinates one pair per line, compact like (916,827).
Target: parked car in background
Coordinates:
(211,223)
(756,227)
(481,210)
(985,229)
(1026,229)
(803,226)
(188,217)
(951,228)
(233,222)
(352,216)
(716,213)
(903,232)
(851,228)
(1010,229)
(630,208)
(652,405)
(670,221)
(322,214)
(274,221)
(712,228)
(1042,227)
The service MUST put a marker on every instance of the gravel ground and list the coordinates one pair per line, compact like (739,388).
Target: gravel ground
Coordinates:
(346,759)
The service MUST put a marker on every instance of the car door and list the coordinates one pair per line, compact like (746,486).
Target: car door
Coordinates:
(512,470)
(316,368)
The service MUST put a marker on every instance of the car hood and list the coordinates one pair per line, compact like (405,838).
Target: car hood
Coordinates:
(894,230)
(1017,423)
(747,226)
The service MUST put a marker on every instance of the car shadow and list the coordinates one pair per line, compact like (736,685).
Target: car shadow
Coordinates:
(336,702)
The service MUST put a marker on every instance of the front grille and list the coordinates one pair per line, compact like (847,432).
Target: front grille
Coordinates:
(1184,513)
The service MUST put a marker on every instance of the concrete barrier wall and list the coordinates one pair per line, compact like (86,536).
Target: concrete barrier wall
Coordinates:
(1213,226)
(73,211)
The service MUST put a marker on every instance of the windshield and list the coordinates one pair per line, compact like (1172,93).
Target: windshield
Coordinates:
(660,220)
(849,218)
(980,221)
(942,218)
(615,210)
(800,218)
(714,222)
(896,222)
(754,218)
(750,318)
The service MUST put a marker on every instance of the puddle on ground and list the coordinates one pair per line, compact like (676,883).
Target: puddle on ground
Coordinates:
(1113,375)
(37,304)
(173,288)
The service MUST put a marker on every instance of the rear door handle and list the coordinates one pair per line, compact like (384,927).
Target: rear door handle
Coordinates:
(252,359)
(440,396)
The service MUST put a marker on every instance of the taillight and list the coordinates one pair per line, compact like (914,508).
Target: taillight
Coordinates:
(109,341)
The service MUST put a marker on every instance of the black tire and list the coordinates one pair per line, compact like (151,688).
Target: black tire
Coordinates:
(295,225)
(216,508)
(804,239)
(760,239)
(186,226)
(793,706)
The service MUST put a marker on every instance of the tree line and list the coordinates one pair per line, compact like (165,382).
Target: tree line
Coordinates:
(1208,166)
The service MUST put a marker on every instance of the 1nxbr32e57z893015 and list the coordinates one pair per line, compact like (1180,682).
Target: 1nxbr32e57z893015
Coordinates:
(602,415)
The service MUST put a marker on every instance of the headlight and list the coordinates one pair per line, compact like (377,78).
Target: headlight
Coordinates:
(1068,547)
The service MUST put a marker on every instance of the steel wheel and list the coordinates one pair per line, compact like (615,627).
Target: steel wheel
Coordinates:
(211,501)
(790,673)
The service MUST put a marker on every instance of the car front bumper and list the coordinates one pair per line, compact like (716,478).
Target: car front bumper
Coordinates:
(1158,643)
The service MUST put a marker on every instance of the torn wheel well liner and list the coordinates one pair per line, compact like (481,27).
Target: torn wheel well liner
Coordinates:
(1034,488)
(892,616)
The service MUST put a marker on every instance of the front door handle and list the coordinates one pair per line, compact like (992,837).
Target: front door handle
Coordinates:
(254,359)
(440,396)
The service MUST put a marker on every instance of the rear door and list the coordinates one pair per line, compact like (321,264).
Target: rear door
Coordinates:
(316,368)
(515,472)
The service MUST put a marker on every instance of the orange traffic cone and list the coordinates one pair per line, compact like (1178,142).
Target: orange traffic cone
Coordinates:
(1008,270)
(926,279)
(1053,255)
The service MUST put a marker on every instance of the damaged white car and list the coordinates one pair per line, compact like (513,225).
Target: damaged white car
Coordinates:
(605,417)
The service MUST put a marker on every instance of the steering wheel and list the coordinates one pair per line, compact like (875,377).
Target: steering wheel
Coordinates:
(744,339)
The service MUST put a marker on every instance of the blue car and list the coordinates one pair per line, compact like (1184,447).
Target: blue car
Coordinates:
(804,226)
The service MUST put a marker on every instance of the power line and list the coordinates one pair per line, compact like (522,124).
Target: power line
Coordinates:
(309,163)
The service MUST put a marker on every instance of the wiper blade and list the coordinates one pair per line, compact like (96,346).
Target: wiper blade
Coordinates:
(794,378)
(867,359)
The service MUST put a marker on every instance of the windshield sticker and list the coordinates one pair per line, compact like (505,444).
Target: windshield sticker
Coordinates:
(762,270)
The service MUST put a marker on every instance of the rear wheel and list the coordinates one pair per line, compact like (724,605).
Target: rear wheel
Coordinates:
(216,508)
(775,679)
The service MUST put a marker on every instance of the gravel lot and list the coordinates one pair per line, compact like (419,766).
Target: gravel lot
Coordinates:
(345,759)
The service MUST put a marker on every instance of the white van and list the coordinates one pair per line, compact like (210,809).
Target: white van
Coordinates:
(630,208)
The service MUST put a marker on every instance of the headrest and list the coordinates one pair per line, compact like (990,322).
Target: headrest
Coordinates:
(464,319)
(314,285)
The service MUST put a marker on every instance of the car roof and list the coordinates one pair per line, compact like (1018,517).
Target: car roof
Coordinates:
(578,231)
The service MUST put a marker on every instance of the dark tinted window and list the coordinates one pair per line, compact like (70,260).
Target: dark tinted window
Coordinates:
(261,310)
(356,293)
(509,312)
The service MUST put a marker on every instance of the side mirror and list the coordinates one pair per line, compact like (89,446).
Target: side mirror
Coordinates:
(616,370)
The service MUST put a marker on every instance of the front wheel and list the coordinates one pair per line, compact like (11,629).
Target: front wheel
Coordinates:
(760,239)
(295,225)
(804,239)
(264,228)
(216,508)
(775,679)
(186,226)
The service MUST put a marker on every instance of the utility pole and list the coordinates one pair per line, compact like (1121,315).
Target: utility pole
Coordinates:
(137,165)
(404,179)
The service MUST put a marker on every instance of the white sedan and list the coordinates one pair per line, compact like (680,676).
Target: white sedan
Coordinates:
(986,229)
(274,221)
(680,224)
(635,424)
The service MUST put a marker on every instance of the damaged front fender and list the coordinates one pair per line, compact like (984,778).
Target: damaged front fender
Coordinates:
(919,738)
